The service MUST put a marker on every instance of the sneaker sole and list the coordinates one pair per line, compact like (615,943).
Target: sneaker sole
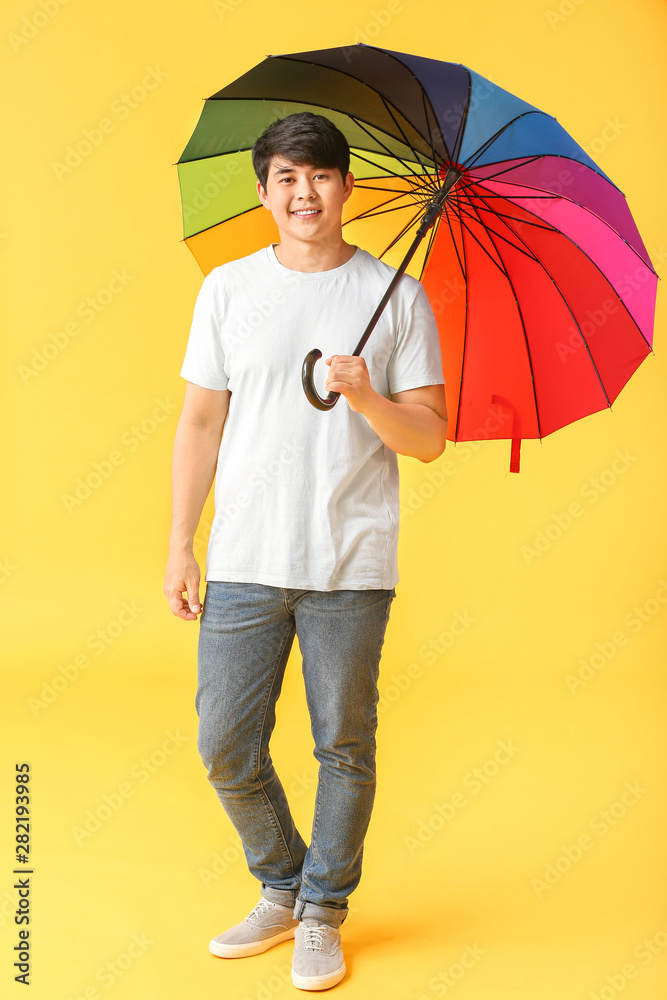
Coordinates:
(252,948)
(318,982)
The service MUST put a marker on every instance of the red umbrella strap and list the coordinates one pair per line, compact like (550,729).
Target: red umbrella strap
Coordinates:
(515,455)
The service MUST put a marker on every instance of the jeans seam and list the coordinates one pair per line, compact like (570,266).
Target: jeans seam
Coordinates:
(373,708)
(258,746)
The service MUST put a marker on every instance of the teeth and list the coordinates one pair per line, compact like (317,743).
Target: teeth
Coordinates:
(309,211)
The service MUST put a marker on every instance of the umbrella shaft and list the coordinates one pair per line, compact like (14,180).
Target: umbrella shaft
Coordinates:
(387,295)
(430,216)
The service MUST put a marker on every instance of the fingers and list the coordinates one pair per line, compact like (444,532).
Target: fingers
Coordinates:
(354,358)
(179,606)
(189,607)
(342,365)
(186,613)
(346,371)
(193,598)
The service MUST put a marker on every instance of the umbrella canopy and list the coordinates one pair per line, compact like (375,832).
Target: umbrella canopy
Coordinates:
(543,290)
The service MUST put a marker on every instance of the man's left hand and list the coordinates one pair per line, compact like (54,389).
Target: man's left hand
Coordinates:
(348,375)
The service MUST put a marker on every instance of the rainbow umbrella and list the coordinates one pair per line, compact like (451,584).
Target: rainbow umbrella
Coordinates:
(543,290)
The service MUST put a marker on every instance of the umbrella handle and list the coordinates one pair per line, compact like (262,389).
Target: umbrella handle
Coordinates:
(308,383)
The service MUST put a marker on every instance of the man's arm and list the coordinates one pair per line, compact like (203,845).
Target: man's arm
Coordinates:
(195,456)
(413,422)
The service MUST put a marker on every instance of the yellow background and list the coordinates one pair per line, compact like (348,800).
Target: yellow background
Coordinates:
(455,898)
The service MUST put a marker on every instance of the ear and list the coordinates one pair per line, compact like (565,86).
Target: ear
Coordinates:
(262,195)
(348,186)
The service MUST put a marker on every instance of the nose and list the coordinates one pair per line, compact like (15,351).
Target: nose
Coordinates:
(305,188)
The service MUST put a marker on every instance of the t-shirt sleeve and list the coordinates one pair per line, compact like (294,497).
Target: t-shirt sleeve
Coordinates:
(204,362)
(416,358)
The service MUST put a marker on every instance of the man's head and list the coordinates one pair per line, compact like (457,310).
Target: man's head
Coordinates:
(302,165)
(302,138)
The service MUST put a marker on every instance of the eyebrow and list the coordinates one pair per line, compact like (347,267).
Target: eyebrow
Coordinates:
(289,170)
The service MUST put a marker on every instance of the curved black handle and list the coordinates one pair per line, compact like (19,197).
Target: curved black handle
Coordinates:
(308,383)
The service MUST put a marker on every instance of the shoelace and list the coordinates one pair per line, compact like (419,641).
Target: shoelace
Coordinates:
(260,908)
(312,937)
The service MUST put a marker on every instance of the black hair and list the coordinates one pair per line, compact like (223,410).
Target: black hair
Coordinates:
(301,138)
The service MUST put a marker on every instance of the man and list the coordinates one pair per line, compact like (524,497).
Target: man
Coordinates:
(305,530)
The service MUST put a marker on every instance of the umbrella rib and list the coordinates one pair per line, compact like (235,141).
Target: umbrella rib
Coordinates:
(386,148)
(396,195)
(464,206)
(370,212)
(467,183)
(402,233)
(523,324)
(222,222)
(527,222)
(468,229)
(448,216)
(500,236)
(458,142)
(408,143)
(428,126)
(567,305)
(542,224)
(392,173)
(515,166)
(521,197)
(429,247)
(372,187)
(489,142)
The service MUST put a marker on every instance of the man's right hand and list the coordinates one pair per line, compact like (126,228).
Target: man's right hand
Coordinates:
(196,447)
(183,577)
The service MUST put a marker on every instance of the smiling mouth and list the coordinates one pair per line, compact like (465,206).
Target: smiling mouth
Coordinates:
(305,213)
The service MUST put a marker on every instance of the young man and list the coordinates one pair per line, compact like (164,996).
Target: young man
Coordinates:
(305,530)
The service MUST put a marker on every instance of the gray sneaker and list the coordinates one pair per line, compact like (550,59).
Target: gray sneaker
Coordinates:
(267,924)
(318,961)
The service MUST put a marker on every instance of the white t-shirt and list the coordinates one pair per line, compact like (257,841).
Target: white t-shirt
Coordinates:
(305,499)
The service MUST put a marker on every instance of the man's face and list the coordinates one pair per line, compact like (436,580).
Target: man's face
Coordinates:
(306,202)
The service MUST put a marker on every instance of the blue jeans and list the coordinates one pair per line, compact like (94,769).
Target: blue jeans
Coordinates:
(246,633)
